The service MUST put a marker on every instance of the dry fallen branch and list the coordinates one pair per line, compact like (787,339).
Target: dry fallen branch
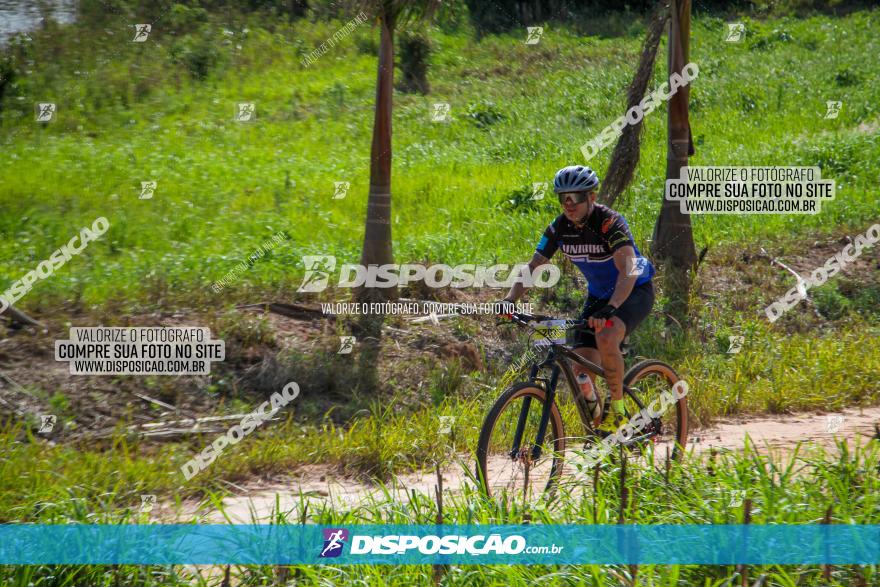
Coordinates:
(775,261)
(17,316)
(800,280)
(159,403)
(297,311)
(166,429)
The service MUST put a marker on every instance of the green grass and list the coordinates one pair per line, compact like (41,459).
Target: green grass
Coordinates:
(794,489)
(773,373)
(136,112)
(163,111)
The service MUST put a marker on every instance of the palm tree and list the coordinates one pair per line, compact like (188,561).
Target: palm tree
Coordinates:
(673,242)
(377,235)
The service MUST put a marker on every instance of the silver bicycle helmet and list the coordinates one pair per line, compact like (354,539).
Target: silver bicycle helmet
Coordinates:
(575,178)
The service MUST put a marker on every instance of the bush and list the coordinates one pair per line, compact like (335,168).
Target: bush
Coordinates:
(484,114)
(830,302)
(7,77)
(99,11)
(847,77)
(185,19)
(528,199)
(367,44)
(415,53)
(199,53)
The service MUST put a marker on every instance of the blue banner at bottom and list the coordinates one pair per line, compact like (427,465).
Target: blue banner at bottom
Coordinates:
(408,545)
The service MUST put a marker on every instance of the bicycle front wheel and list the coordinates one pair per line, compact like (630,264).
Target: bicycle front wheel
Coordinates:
(513,457)
(648,381)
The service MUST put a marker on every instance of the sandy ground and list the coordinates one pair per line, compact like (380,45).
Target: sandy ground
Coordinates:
(258,503)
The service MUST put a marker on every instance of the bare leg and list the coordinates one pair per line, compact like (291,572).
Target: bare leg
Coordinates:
(609,340)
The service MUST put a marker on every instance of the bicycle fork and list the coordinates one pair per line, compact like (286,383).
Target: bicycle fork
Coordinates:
(545,414)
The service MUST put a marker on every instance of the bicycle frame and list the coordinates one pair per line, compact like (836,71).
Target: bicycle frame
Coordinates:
(559,358)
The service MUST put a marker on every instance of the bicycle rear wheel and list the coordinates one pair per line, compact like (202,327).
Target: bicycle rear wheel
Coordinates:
(511,458)
(649,381)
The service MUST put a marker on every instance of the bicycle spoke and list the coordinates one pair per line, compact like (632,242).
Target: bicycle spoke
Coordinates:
(653,386)
(517,464)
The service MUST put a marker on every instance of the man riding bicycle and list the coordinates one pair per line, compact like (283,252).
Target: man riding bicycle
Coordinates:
(619,288)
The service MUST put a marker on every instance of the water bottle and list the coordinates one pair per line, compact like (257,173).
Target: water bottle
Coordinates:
(586,385)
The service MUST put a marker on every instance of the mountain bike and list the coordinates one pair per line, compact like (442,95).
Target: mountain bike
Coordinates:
(522,443)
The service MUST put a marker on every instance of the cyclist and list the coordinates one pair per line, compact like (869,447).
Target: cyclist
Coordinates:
(619,288)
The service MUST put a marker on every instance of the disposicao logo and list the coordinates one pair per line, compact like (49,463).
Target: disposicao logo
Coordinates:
(319,268)
(334,541)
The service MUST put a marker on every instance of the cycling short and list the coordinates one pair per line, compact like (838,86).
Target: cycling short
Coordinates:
(635,309)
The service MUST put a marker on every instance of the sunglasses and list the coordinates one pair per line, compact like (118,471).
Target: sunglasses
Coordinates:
(575,197)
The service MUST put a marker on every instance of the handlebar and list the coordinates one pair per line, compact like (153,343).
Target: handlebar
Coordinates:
(524,320)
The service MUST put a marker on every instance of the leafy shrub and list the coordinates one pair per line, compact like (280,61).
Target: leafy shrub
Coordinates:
(335,96)
(747,103)
(847,77)
(526,199)
(7,77)
(452,15)
(484,114)
(244,331)
(184,19)
(792,7)
(763,41)
(834,157)
(367,44)
(415,54)
(99,11)
(830,302)
(864,297)
(198,53)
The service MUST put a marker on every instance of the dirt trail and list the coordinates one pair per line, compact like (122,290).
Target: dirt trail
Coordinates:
(257,503)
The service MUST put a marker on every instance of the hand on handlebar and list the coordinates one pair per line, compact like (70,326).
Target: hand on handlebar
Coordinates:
(602,318)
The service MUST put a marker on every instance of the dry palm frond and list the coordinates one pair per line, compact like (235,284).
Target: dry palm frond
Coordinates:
(397,12)
(625,157)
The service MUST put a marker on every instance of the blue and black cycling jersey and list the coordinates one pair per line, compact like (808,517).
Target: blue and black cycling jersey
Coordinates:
(591,248)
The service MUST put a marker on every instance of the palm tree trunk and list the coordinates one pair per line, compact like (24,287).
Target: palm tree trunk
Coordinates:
(673,242)
(377,237)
